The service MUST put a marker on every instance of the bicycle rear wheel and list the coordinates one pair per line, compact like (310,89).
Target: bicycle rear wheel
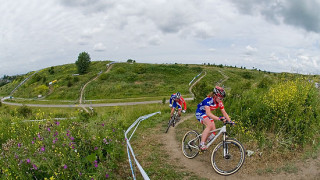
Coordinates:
(190,144)
(232,162)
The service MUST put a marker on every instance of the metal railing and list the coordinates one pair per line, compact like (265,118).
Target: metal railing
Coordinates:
(129,148)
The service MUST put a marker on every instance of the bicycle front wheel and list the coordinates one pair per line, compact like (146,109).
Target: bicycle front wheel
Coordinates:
(228,157)
(190,144)
(171,121)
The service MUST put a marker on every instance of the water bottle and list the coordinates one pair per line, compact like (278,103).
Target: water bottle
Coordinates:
(210,137)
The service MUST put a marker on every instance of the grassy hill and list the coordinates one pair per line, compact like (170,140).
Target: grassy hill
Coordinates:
(127,81)
(274,113)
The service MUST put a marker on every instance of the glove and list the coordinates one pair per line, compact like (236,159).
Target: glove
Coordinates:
(183,111)
(232,123)
(170,105)
(221,118)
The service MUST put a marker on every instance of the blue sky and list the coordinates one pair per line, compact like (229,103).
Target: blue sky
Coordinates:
(271,35)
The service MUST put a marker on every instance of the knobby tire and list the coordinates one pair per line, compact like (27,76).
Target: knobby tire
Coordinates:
(190,144)
(232,163)
(169,124)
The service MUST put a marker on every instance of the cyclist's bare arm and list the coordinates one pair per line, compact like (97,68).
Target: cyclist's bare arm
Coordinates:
(209,113)
(225,114)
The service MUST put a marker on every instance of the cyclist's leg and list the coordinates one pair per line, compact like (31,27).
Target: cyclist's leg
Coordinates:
(171,113)
(209,127)
(174,105)
(180,109)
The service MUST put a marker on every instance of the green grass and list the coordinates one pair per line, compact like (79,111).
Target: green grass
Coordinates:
(267,120)
(8,88)
(98,101)
(115,120)
(67,86)
(142,80)
(18,133)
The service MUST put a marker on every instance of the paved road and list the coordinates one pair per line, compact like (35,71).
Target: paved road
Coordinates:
(89,105)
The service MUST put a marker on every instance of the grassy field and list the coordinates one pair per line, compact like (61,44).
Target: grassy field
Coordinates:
(274,113)
(142,80)
(66,87)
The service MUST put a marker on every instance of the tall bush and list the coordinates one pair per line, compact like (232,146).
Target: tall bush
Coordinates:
(25,111)
(294,110)
(201,90)
(288,111)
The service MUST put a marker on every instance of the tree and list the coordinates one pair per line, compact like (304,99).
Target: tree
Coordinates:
(83,62)
(51,70)
(131,61)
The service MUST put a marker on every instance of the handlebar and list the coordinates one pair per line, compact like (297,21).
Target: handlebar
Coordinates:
(229,122)
(225,121)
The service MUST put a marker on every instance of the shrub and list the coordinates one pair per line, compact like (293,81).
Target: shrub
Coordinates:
(164,100)
(201,90)
(247,75)
(265,83)
(68,78)
(41,89)
(69,84)
(84,116)
(35,78)
(44,79)
(103,77)
(131,61)
(278,116)
(25,111)
(131,77)
(139,69)
(120,70)
(294,110)
(75,79)
(51,70)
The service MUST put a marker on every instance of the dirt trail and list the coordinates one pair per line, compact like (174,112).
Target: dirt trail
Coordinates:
(201,165)
(199,168)
(83,88)
(222,80)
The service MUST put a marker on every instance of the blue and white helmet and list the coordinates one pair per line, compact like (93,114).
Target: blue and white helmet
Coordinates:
(178,95)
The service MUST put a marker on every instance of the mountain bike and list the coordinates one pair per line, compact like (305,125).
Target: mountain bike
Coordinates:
(174,119)
(226,158)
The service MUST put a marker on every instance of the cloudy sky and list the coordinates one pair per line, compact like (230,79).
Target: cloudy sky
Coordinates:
(271,35)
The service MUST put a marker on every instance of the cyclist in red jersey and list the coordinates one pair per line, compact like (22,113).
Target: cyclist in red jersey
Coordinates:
(204,115)
(177,100)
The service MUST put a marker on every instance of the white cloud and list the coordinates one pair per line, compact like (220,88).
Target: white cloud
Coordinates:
(155,40)
(251,33)
(99,47)
(251,49)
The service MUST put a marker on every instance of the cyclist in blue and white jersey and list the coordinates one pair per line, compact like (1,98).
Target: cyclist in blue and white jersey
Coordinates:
(204,115)
(177,100)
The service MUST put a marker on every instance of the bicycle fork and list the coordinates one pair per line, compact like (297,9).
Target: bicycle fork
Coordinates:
(226,154)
